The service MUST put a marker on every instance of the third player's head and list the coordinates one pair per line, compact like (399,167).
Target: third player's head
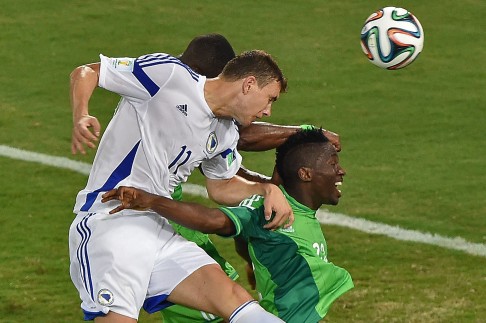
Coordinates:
(208,54)
(261,80)
(308,165)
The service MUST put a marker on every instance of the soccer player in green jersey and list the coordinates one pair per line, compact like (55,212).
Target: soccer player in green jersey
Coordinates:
(294,277)
(207,55)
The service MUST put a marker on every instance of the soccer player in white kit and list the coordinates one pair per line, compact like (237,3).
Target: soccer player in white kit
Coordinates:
(169,121)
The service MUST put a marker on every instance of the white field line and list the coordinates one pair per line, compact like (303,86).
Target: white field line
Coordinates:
(325,217)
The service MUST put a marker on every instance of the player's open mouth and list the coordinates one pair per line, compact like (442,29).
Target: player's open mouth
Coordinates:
(338,184)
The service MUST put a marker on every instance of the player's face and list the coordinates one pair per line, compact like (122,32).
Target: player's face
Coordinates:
(328,176)
(258,102)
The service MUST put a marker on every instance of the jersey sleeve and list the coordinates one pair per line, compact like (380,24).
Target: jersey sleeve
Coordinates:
(247,217)
(222,166)
(134,78)
(227,163)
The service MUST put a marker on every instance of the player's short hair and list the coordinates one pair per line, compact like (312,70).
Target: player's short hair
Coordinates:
(255,63)
(208,54)
(299,150)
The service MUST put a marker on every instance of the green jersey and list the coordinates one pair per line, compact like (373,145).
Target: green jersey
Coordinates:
(294,277)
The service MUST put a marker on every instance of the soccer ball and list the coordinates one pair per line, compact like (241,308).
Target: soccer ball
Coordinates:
(392,38)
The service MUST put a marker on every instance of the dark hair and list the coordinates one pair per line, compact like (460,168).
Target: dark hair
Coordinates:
(255,63)
(208,54)
(299,150)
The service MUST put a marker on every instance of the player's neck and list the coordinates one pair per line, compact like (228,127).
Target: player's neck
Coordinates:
(221,96)
(301,195)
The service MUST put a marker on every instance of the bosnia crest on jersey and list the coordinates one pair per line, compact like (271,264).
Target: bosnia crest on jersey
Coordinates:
(211,143)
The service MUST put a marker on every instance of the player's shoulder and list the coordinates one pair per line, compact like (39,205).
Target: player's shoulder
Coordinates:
(227,126)
(166,61)
(155,57)
(224,135)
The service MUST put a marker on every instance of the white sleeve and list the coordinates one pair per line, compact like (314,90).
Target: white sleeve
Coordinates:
(222,166)
(116,75)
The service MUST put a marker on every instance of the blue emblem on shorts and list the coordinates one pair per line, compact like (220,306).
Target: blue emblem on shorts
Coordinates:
(105,297)
(212,143)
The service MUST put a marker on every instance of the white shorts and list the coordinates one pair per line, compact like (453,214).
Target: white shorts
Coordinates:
(125,261)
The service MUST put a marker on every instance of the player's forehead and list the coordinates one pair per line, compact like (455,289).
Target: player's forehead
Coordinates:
(326,152)
(272,89)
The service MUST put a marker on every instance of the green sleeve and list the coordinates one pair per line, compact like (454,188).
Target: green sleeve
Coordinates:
(247,216)
(240,216)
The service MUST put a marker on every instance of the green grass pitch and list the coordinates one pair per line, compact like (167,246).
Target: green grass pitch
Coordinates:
(413,140)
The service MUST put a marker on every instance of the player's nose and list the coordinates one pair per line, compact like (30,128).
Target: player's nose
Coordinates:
(267,111)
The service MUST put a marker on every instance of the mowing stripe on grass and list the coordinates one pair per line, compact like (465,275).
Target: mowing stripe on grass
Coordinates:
(325,217)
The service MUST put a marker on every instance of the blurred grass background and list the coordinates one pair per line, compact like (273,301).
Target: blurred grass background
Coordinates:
(413,140)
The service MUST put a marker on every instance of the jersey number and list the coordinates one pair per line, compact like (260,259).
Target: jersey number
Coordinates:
(321,250)
(176,160)
(249,201)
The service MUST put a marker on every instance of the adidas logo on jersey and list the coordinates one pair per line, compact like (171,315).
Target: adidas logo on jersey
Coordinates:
(182,108)
(289,229)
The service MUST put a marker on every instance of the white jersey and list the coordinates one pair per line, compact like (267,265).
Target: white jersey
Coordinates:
(161,130)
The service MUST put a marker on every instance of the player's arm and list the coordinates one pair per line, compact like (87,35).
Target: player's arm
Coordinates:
(253,176)
(241,247)
(190,215)
(232,191)
(83,81)
(261,136)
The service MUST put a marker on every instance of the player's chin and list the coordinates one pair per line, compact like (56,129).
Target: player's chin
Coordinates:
(246,123)
(334,200)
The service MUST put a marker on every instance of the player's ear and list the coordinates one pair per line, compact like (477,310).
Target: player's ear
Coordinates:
(248,83)
(305,174)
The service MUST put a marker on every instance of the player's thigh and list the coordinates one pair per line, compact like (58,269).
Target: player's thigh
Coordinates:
(210,290)
(175,261)
(113,317)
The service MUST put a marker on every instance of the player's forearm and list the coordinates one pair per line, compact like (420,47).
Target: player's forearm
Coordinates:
(234,190)
(192,215)
(253,176)
(261,136)
(83,81)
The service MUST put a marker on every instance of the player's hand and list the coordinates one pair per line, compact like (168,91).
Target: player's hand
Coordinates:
(333,138)
(130,198)
(276,203)
(250,275)
(86,131)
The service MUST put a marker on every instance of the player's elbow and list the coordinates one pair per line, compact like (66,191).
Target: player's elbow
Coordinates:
(84,71)
(215,196)
(75,74)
